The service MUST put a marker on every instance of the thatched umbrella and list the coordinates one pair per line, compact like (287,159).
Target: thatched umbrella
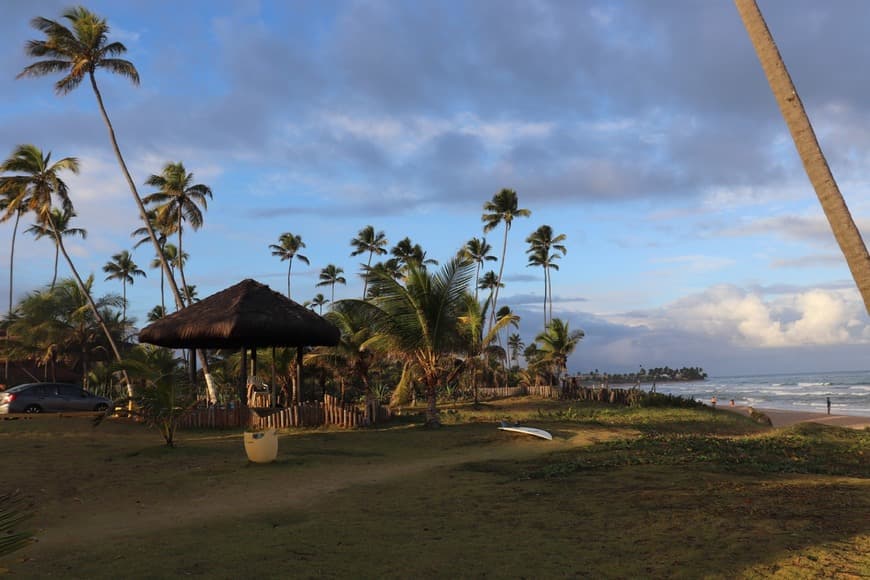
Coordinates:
(247,315)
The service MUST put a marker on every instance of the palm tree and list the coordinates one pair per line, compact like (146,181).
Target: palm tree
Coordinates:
(178,200)
(557,343)
(843,226)
(122,267)
(61,221)
(502,208)
(157,262)
(515,344)
(410,254)
(472,322)
(368,240)
(420,320)
(478,251)
(11,203)
(58,325)
(541,245)
(156,313)
(489,282)
(318,302)
(79,51)
(37,182)
(353,352)
(287,248)
(330,276)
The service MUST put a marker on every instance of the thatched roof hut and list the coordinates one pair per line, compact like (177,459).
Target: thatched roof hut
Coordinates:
(248,314)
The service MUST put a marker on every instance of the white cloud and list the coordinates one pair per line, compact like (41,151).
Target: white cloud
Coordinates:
(750,319)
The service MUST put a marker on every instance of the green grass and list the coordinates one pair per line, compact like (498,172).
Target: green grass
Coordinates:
(619,493)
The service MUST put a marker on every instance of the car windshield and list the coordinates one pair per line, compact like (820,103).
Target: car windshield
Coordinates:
(18,388)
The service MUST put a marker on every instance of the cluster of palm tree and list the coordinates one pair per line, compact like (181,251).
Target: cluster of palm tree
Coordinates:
(430,329)
(77,49)
(426,328)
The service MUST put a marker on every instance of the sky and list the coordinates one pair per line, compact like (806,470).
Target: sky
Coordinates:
(643,131)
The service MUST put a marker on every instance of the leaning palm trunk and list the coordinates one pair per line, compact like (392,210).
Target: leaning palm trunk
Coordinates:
(9,316)
(94,309)
(846,233)
(179,303)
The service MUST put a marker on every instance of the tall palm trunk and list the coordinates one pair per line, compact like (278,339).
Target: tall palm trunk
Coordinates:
(546,293)
(54,276)
(289,268)
(846,233)
(549,294)
(366,277)
(179,303)
(9,315)
(93,307)
(507,227)
(162,293)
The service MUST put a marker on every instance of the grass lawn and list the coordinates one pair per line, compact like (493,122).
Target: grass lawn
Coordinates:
(618,493)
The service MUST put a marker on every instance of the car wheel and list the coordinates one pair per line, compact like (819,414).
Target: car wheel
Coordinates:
(33,409)
(101,408)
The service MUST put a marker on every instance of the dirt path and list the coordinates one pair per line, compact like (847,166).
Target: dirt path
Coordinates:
(240,497)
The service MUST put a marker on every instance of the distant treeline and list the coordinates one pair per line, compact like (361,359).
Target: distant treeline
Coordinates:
(658,374)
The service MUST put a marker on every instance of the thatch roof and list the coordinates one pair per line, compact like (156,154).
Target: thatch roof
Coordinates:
(248,314)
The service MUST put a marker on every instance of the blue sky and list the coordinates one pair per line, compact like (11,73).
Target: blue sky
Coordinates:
(643,131)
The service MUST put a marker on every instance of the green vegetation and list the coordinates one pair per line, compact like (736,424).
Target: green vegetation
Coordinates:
(11,517)
(620,492)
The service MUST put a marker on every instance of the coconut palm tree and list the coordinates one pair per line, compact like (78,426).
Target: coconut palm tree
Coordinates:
(178,200)
(330,276)
(502,208)
(10,204)
(78,52)
(476,339)
(408,253)
(556,344)
(287,248)
(489,282)
(318,302)
(57,325)
(368,240)
(38,182)
(837,212)
(156,313)
(61,223)
(478,251)
(353,352)
(419,319)
(544,249)
(162,237)
(515,344)
(122,267)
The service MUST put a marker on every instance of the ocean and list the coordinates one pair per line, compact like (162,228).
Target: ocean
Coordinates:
(849,391)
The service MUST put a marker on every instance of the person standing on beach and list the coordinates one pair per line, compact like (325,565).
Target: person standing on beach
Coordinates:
(828,399)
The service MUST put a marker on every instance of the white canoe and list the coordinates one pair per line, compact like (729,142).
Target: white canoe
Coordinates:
(529,431)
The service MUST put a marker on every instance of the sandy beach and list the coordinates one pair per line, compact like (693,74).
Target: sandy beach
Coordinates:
(782,418)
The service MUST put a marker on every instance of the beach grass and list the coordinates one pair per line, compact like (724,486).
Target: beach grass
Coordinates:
(656,492)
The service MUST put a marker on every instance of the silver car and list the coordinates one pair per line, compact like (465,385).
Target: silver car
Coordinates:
(50,398)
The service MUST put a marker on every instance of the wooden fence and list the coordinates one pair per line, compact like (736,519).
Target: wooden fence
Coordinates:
(330,411)
(500,392)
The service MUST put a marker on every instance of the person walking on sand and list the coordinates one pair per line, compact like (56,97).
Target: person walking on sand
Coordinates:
(828,400)
(713,401)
